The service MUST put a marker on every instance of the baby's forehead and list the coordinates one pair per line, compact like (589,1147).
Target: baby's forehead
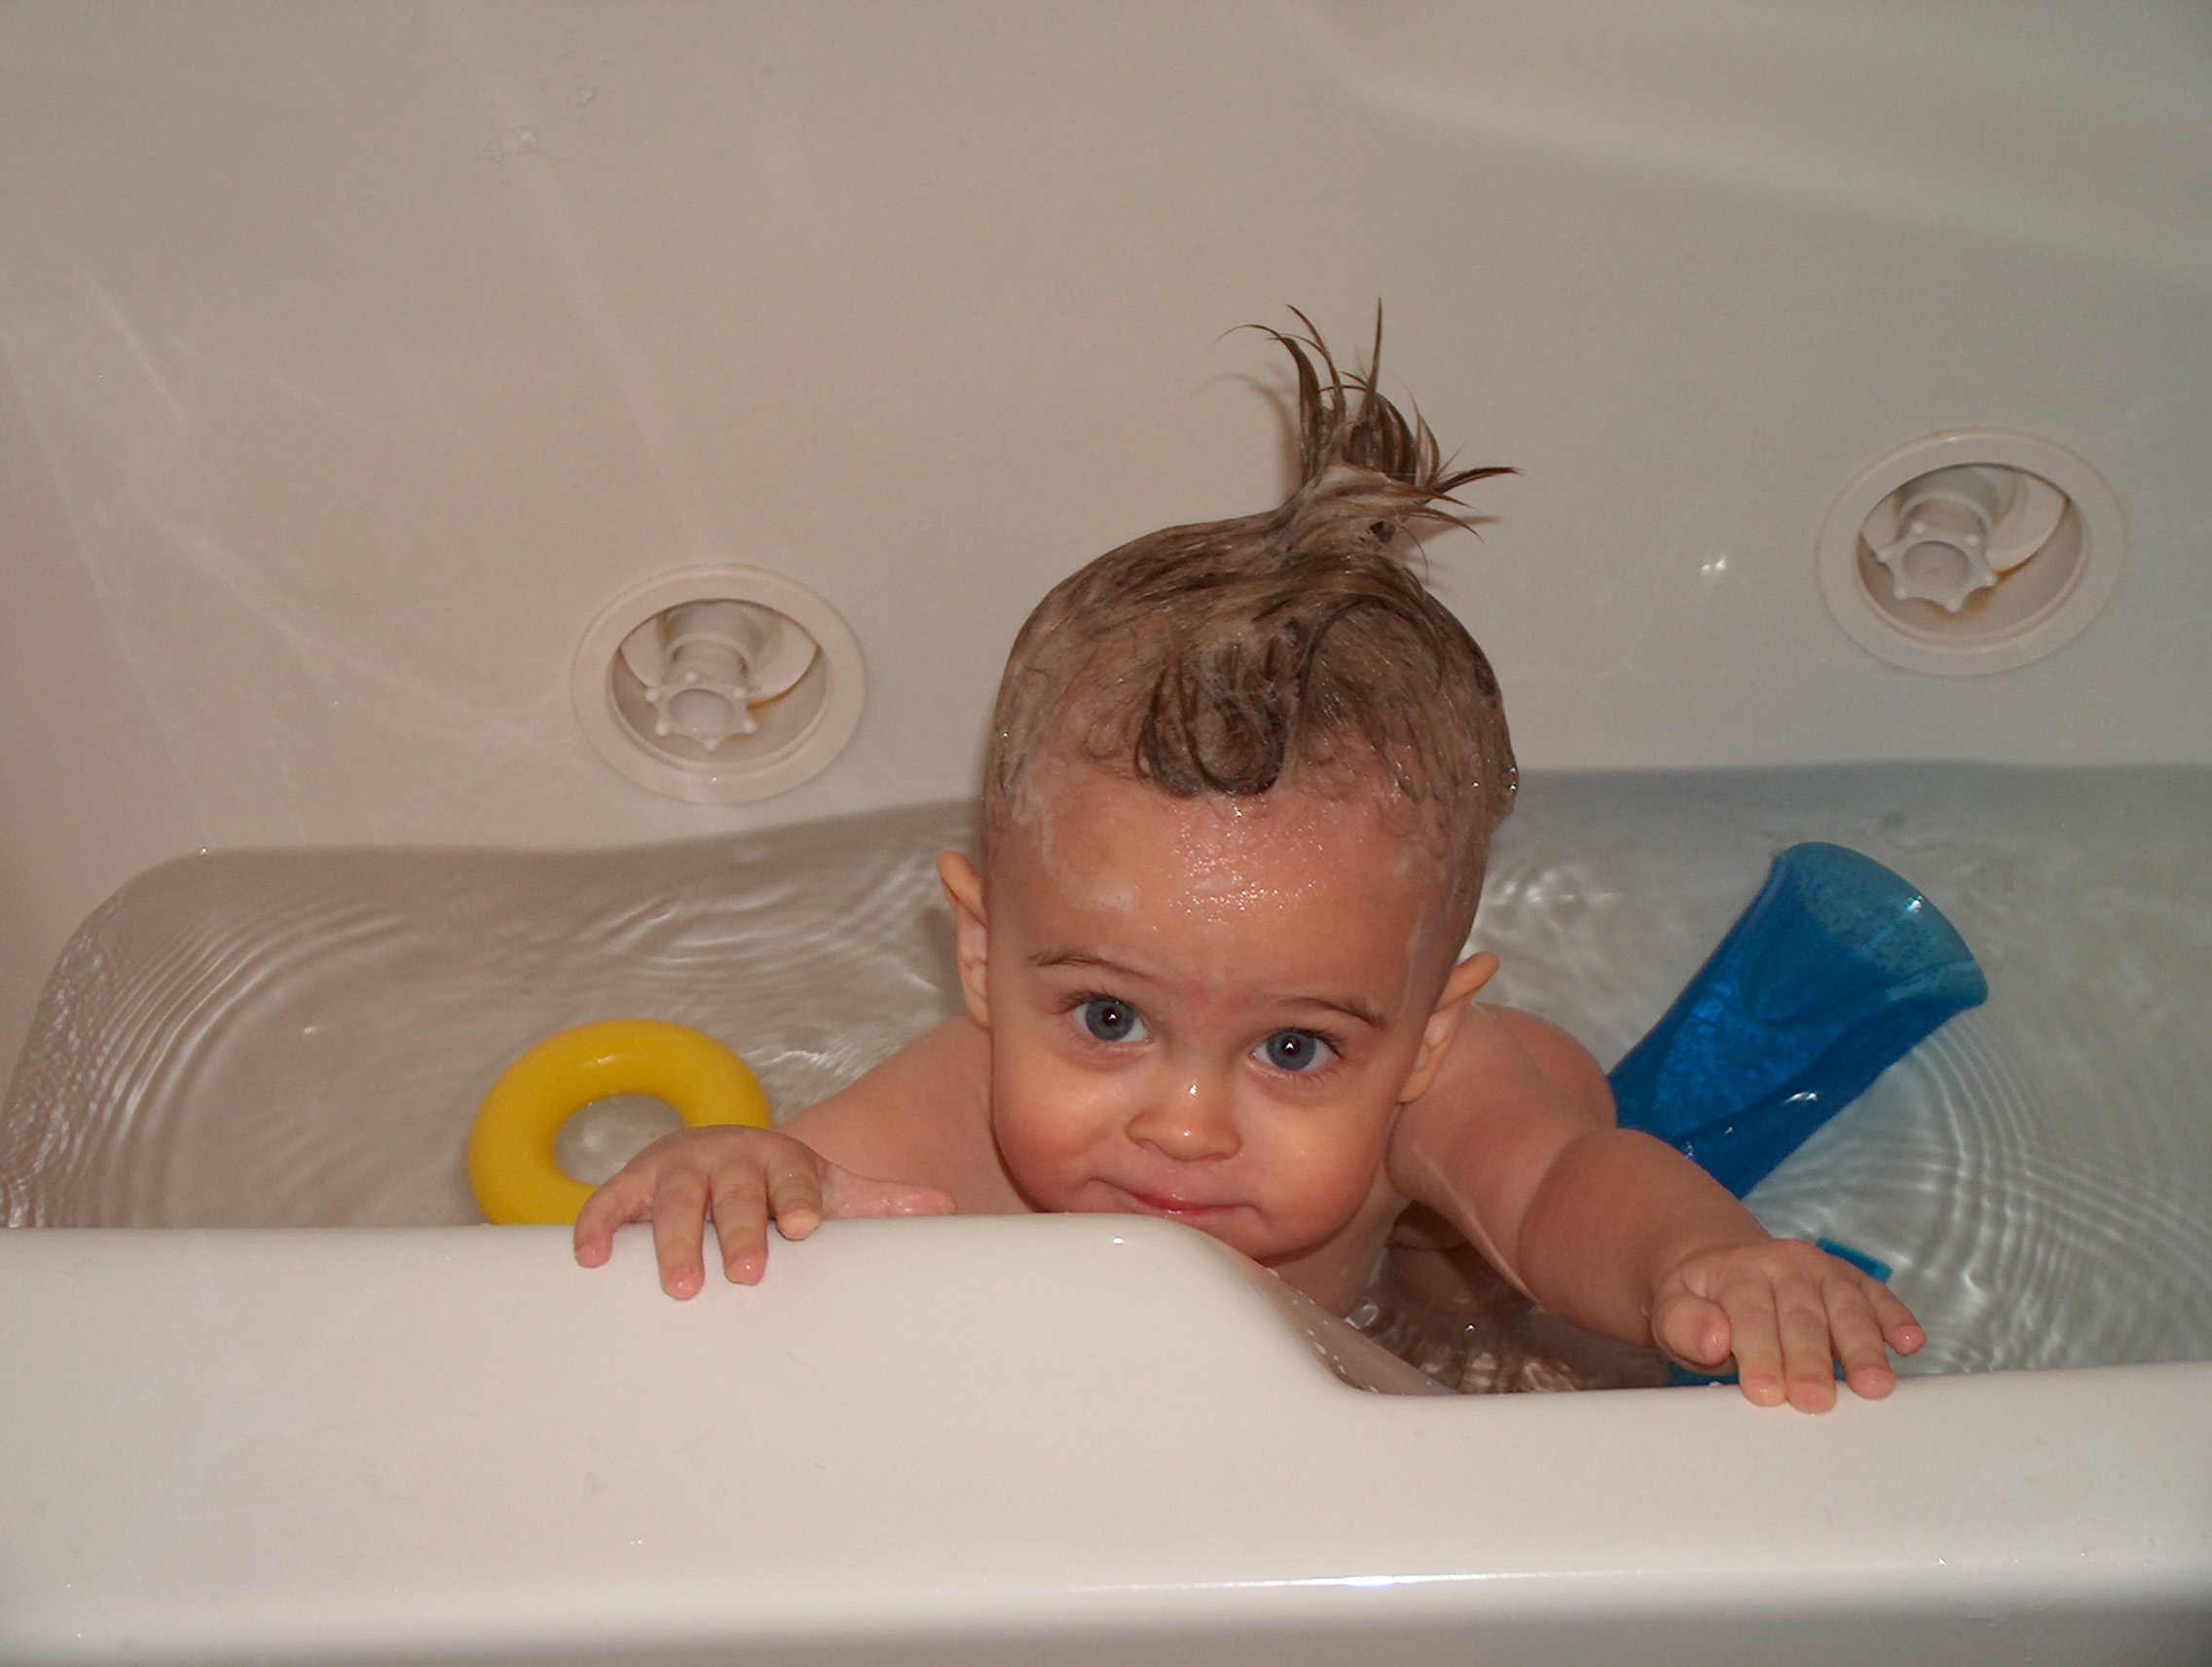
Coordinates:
(1293,885)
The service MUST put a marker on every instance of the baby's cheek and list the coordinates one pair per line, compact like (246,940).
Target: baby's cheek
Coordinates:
(1042,1183)
(1333,1180)
(1041,1153)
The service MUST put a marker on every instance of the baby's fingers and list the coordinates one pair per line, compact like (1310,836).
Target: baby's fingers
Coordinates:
(1760,1343)
(679,1224)
(795,1190)
(1900,1329)
(1856,1336)
(1691,1329)
(628,1197)
(1808,1346)
(741,1207)
(1866,1321)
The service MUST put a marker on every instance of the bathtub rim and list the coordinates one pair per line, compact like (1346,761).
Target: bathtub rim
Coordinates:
(2074,1496)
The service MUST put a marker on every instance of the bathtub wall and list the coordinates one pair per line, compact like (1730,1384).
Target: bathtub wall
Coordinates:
(353,356)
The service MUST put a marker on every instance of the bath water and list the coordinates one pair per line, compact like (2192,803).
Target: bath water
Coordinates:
(293,1038)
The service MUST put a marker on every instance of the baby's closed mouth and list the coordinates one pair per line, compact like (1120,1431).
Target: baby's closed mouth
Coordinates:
(1160,1203)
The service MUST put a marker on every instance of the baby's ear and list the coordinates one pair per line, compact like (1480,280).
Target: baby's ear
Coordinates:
(970,930)
(1442,1027)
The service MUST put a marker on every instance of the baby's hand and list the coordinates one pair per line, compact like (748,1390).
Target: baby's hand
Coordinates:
(743,1177)
(1786,1310)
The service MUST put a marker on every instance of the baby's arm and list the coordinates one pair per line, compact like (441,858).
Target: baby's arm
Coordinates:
(1617,1231)
(912,1117)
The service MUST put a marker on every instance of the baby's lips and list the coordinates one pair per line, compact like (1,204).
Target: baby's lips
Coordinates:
(1159,1204)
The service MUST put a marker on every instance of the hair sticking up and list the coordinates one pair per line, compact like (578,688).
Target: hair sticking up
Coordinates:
(1296,644)
(1350,456)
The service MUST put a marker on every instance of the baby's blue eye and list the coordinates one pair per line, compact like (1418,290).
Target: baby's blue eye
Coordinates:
(1295,1051)
(1110,1021)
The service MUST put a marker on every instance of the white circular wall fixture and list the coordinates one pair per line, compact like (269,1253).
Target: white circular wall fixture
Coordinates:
(718,685)
(1971,551)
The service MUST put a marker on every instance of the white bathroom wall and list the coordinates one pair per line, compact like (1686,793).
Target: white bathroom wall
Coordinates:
(353,356)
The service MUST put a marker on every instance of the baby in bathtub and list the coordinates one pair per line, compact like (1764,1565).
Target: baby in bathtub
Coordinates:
(1235,810)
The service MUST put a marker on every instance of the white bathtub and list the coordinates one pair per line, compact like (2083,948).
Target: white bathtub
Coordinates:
(355,356)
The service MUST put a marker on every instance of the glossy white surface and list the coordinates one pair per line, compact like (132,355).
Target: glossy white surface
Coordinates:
(991,1440)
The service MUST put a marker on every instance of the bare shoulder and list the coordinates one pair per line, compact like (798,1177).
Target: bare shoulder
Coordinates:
(1511,1091)
(923,1116)
(1503,1039)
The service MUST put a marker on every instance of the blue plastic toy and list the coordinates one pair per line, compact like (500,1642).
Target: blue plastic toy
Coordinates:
(1837,970)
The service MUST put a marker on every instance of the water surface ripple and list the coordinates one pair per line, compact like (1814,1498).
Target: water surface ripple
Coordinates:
(276,1038)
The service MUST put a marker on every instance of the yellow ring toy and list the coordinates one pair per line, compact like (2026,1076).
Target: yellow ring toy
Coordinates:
(511,1167)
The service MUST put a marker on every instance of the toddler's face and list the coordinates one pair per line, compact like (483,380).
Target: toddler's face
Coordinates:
(1203,1009)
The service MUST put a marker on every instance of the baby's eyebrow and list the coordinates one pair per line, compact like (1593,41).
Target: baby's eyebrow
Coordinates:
(1366,1013)
(1079,958)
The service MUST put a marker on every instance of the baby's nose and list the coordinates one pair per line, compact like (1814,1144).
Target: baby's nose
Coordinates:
(1197,1120)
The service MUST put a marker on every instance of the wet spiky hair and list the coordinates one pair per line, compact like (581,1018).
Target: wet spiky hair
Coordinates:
(1296,644)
